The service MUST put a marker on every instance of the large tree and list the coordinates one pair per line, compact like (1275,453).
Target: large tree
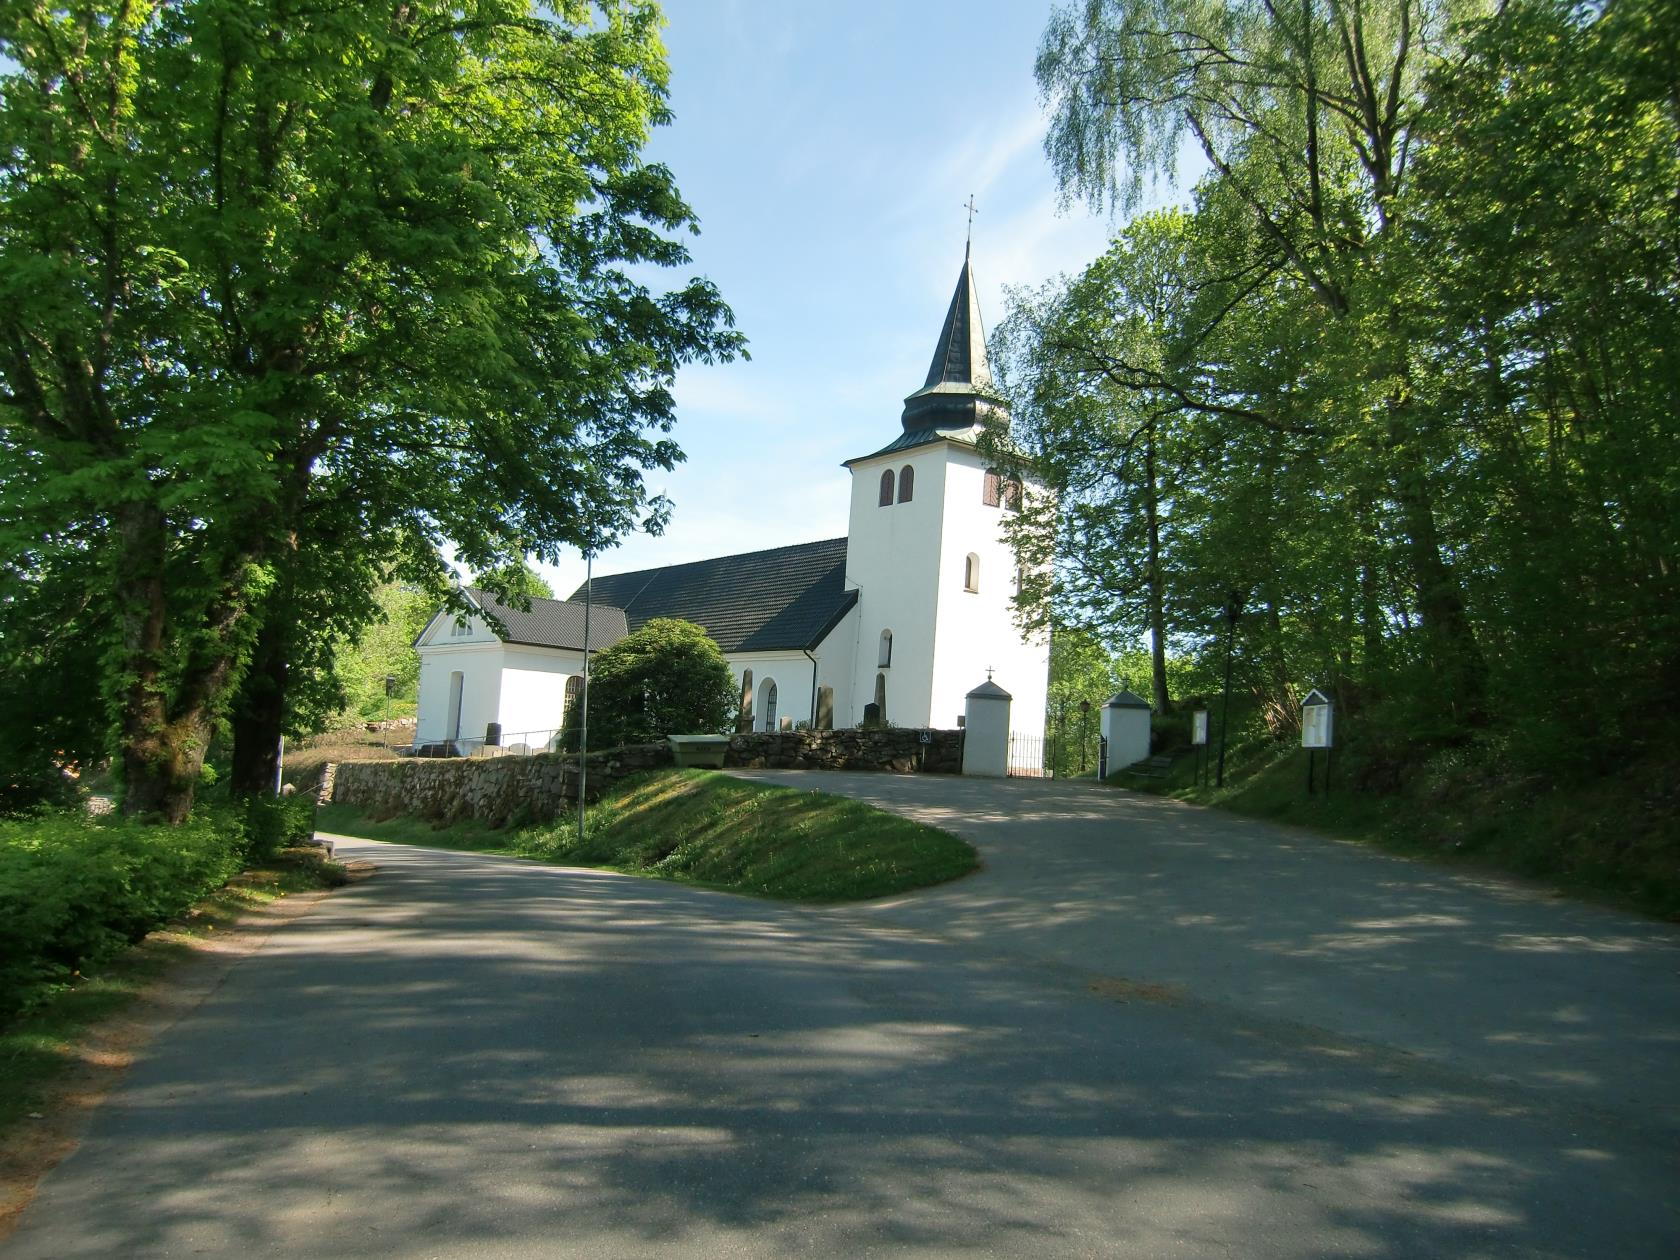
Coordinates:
(1306,114)
(284,282)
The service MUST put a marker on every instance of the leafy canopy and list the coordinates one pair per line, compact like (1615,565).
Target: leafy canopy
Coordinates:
(668,678)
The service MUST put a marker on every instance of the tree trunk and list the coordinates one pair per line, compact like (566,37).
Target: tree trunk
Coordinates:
(1455,657)
(160,756)
(1157,597)
(258,719)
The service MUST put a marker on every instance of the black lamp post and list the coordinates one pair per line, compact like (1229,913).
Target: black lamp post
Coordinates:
(1233,610)
(1084,731)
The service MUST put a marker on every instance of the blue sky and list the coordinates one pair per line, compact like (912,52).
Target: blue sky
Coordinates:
(828,151)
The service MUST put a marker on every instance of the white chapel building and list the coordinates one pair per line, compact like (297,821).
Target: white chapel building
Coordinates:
(907,613)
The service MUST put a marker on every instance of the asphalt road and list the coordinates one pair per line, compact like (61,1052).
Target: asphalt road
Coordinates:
(1141,1031)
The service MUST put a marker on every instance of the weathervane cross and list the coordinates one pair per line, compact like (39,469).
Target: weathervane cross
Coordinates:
(971,213)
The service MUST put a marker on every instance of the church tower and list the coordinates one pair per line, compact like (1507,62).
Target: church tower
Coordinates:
(926,550)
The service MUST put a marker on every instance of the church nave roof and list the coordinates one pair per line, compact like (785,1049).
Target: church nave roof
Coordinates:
(786,598)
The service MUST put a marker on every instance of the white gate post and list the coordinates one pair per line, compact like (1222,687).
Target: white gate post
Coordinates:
(1125,725)
(986,731)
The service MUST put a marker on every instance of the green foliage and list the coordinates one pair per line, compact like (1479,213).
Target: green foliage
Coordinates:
(381,648)
(75,890)
(1403,380)
(515,581)
(668,678)
(258,378)
(701,827)
(273,823)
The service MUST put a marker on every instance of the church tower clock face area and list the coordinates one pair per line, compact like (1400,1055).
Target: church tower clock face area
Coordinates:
(926,550)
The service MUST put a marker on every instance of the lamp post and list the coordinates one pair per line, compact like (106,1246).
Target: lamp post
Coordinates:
(583,705)
(1084,731)
(1233,610)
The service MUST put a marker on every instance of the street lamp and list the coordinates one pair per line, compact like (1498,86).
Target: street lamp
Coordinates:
(1233,610)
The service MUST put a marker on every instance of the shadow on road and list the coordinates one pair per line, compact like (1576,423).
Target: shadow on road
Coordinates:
(476,1056)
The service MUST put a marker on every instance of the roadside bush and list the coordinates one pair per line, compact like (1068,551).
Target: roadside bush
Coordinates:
(76,889)
(273,823)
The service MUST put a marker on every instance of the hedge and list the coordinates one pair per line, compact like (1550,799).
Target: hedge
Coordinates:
(76,889)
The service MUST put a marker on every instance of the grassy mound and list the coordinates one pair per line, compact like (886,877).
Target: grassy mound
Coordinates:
(1607,837)
(700,827)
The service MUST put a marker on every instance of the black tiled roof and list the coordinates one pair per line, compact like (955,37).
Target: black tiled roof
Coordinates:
(785,598)
(555,623)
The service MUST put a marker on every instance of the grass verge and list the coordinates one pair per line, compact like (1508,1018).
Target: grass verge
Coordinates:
(39,1048)
(704,828)
(1613,839)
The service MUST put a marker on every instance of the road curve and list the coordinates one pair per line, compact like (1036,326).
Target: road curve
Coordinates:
(477,1057)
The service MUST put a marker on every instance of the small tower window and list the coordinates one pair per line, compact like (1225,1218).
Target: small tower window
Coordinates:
(971,573)
(1001,492)
(886,488)
(906,484)
(886,649)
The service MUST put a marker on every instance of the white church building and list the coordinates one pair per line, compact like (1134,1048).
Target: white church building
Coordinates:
(899,620)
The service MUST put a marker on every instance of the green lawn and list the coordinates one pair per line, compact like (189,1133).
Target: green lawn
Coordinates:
(701,827)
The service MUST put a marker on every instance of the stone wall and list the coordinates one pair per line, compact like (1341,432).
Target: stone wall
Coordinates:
(500,790)
(900,751)
(495,790)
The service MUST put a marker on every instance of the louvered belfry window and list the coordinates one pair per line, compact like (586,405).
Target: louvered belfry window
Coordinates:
(886,488)
(990,495)
(906,484)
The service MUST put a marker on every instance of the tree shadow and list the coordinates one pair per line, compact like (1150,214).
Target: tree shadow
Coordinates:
(472,1056)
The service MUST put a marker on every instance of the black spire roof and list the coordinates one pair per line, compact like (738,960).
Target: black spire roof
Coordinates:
(959,381)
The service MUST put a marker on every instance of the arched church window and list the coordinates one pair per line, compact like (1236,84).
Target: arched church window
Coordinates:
(767,703)
(971,573)
(886,488)
(574,697)
(906,484)
(885,659)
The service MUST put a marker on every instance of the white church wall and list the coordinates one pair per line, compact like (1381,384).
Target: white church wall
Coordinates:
(533,701)
(892,555)
(480,667)
(977,628)
(792,673)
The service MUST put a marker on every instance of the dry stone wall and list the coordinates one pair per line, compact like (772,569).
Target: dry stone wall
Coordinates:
(494,790)
(900,751)
(513,789)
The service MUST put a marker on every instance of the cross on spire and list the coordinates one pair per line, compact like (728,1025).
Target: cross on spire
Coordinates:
(971,213)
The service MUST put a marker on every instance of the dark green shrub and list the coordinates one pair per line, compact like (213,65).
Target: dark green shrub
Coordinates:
(668,678)
(76,889)
(273,823)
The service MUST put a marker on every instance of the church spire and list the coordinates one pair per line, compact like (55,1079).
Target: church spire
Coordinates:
(959,379)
